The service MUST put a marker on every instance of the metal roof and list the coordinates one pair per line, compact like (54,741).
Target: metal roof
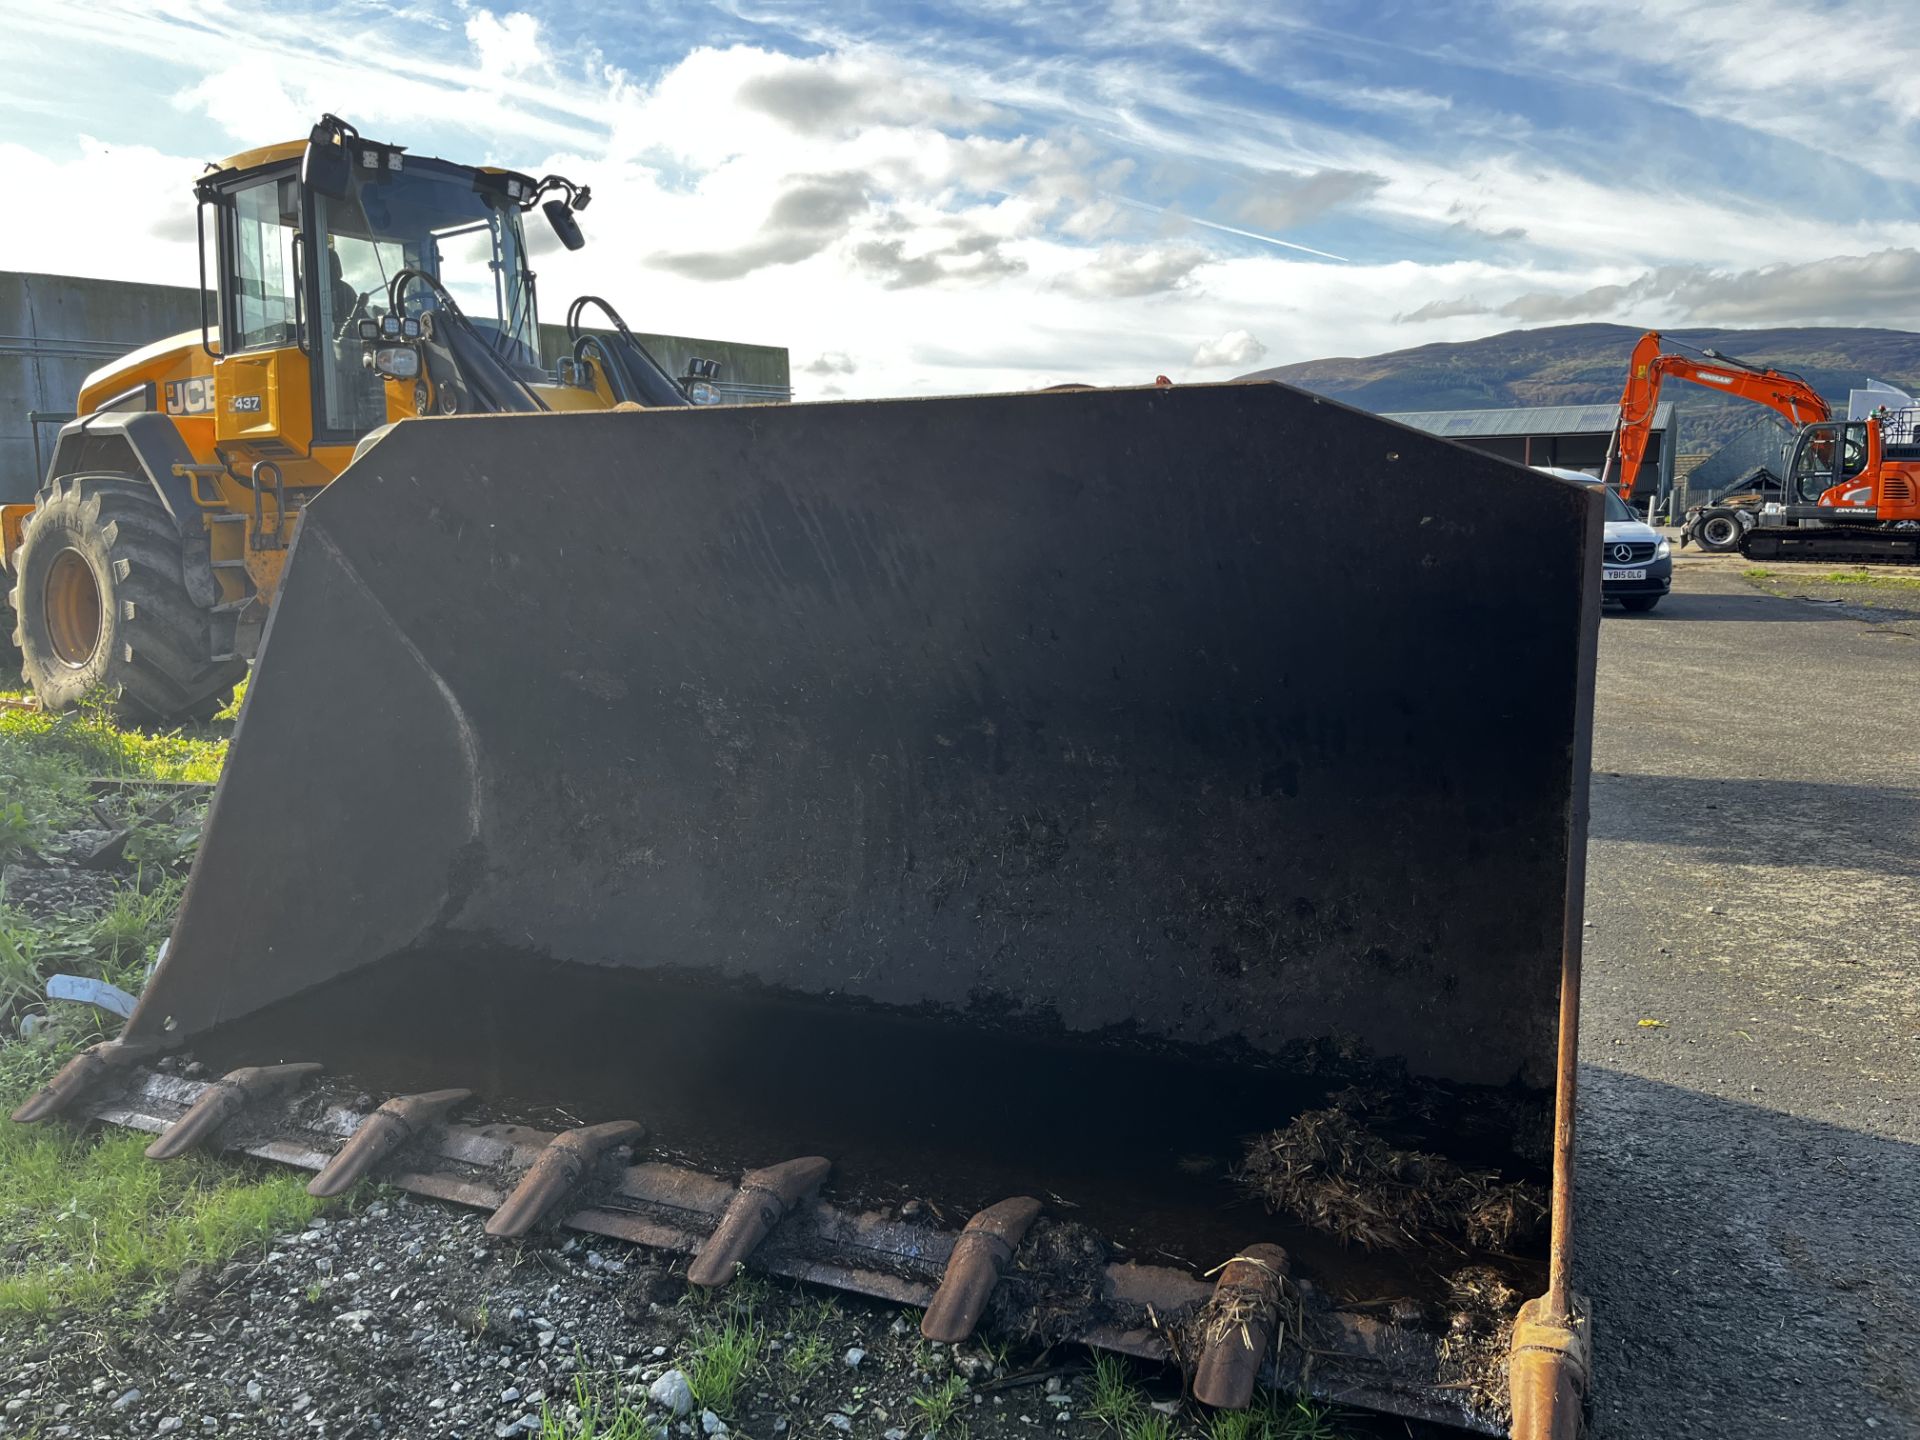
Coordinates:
(1532,420)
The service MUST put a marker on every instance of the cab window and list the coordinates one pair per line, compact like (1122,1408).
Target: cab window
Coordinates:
(266,224)
(1853,457)
(1813,462)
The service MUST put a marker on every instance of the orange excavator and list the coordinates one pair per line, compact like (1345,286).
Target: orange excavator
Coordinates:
(1852,487)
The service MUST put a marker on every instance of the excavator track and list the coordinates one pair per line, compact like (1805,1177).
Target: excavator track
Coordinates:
(1857,544)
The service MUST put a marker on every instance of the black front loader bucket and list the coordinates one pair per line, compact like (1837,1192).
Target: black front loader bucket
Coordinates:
(1043,795)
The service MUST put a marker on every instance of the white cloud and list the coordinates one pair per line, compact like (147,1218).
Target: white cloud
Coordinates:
(1129,271)
(962,213)
(1236,347)
(1764,64)
(506,44)
(1879,289)
(107,195)
(1280,201)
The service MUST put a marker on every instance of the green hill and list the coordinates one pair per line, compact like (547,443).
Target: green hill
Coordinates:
(1587,364)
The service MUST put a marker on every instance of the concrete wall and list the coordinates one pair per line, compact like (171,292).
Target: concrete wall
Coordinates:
(57,329)
(54,331)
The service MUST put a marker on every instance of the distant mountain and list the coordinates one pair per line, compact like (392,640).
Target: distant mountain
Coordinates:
(1587,364)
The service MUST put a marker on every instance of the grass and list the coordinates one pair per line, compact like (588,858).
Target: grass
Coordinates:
(1149,1425)
(1122,1407)
(1869,578)
(115,945)
(86,741)
(722,1357)
(1275,1417)
(938,1407)
(806,1356)
(591,1418)
(89,1225)
(1115,1401)
(90,1222)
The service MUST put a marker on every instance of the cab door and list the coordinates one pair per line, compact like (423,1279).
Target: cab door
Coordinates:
(1815,464)
(265,399)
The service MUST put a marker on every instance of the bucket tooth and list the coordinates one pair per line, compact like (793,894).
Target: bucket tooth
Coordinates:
(1239,1327)
(396,1124)
(79,1075)
(762,1202)
(224,1099)
(557,1172)
(980,1256)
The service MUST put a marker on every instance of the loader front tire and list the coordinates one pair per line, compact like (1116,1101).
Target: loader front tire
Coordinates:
(101,606)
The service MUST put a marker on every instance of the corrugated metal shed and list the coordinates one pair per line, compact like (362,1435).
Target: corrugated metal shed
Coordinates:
(1531,420)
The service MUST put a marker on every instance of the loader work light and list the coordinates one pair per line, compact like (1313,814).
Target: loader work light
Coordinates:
(397,362)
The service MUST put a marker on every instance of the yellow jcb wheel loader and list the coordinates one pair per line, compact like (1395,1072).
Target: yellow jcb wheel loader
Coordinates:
(1009,855)
(353,284)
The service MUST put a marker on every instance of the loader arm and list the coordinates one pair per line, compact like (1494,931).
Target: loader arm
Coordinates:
(1785,394)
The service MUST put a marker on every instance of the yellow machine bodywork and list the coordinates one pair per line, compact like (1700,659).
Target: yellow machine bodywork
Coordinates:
(251,450)
(234,412)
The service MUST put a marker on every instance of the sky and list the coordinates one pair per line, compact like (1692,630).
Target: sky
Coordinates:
(934,198)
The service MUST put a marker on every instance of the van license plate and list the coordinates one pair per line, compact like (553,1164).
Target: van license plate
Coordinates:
(1626,574)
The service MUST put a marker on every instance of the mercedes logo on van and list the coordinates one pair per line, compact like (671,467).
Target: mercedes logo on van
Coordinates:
(1623,552)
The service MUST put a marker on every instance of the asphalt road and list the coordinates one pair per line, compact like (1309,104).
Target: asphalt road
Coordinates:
(1748,1202)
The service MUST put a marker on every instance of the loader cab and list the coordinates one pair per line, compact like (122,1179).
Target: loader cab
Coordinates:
(301,268)
(1828,456)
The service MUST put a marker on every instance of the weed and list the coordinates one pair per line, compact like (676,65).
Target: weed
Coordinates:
(999,1356)
(314,1292)
(1294,1418)
(20,978)
(806,1356)
(1115,1402)
(1148,1425)
(593,1419)
(115,945)
(742,1297)
(939,1405)
(1274,1417)
(165,842)
(130,930)
(20,832)
(815,1314)
(723,1356)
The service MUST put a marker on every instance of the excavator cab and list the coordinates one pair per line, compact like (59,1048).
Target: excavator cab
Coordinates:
(1828,457)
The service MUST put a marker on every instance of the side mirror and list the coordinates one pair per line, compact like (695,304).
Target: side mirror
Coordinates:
(327,168)
(564,225)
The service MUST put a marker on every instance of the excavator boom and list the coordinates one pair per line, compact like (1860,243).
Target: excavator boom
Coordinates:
(1785,394)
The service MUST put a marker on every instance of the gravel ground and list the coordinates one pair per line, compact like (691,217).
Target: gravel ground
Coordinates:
(1748,1173)
(403,1320)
